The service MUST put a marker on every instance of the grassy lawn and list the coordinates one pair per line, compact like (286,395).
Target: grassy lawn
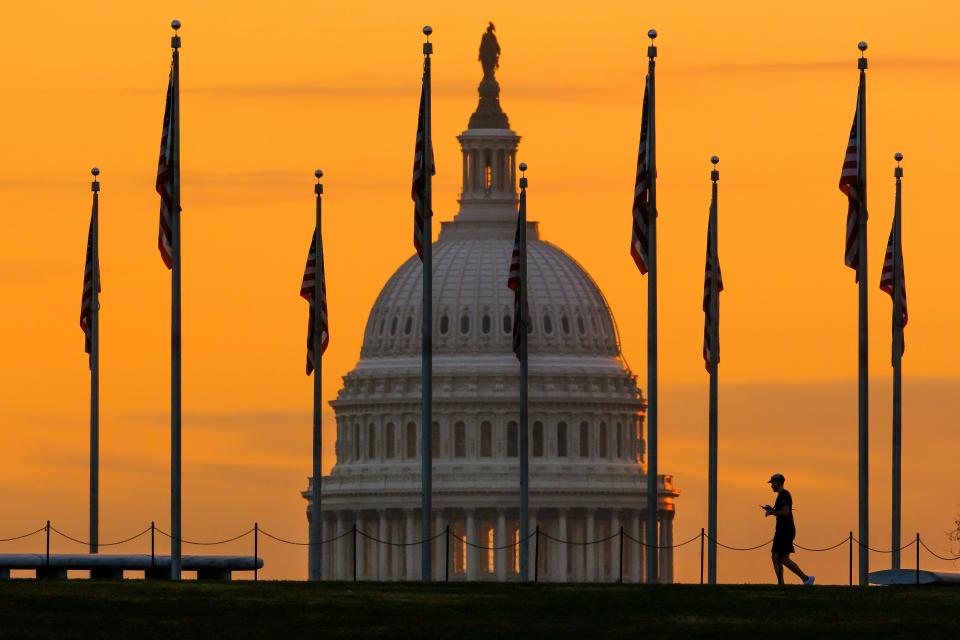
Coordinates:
(139,610)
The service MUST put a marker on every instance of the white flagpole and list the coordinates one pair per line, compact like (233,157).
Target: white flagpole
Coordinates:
(897,361)
(95,366)
(315,557)
(524,375)
(653,484)
(713,435)
(863,349)
(426,320)
(175,334)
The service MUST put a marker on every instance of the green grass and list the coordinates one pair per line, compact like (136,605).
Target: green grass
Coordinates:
(140,610)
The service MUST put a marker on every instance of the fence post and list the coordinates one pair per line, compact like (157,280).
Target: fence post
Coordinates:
(354,551)
(536,556)
(153,557)
(446,553)
(918,557)
(48,543)
(620,577)
(701,553)
(256,541)
(851,558)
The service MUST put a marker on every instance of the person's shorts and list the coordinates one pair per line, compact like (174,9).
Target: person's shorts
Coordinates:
(783,544)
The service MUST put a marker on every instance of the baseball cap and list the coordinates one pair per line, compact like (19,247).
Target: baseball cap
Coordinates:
(777,477)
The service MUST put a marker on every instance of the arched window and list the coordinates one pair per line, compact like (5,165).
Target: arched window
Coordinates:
(391,441)
(512,439)
(383,323)
(464,324)
(444,325)
(371,441)
(565,325)
(485,324)
(356,442)
(487,177)
(408,326)
(580,326)
(507,323)
(537,439)
(619,440)
(562,439)
(547,325)
(435,439)
(486,439)
(393,326)
(584,440)
(603,450)
(411,440)
(460,440)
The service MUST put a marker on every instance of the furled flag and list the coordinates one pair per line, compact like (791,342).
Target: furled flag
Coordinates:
(641,192)
(886,284)
(520,319)
(418,190)
(708,314)
(851,182)
(306,292)
(89,297)
(165,178)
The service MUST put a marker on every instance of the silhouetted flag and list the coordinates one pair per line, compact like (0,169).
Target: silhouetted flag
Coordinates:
(306,292)
(89,298)
(513,281)
(851,183)
(418,190)
(886,284)
(165,180)
(708,312)
(641,207)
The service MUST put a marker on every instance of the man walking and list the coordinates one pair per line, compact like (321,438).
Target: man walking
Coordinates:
(785,532)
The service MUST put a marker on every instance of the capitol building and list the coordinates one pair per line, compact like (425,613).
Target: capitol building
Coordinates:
(587,471)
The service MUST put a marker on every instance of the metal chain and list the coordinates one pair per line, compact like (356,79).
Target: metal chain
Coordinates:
(205,544)
(26,535)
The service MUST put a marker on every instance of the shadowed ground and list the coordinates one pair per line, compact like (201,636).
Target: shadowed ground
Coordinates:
(135,609)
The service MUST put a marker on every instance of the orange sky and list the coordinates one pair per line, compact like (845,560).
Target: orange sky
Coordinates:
(271,91)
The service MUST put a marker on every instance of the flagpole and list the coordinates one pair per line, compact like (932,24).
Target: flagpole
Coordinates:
(897,361)
(315,557)
(863,390)
(714,364)
(652,477)
(95,366)
(426,321)
(524,376)
(175,334)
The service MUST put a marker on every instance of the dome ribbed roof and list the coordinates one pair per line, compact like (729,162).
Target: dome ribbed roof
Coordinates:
(473,308)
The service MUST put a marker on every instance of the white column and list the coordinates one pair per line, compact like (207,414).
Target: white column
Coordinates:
(499,540)
(636,551)
(342,548)
(383,550)
(411,551)
(534,552)
(440,549)
(614,546)
(361,547)
(473,554)
(561,572)
(668,563)
(663,556)
(590,549)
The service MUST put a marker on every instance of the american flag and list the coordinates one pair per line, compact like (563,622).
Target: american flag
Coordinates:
(708,314)
(418,191)
(89,298)
(306,292)
(641,192)
(886,284)
(513,281)
(850,184)
(165,179)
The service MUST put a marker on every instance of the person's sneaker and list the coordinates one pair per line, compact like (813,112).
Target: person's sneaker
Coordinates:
(809,581)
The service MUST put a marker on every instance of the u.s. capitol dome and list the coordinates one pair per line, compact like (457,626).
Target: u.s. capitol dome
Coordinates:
(587,473)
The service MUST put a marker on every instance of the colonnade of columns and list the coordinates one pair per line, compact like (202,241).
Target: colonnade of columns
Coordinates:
(575,544)
(503,172)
